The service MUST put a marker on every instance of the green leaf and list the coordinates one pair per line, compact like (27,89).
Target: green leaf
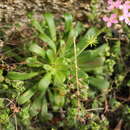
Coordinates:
(46,39)
(100,51)
(2,103)
(57,97)
(87,56)
(61,65)
(90,60)
(73,34)
(44,111)
(37,25)
(116,49)
(44,83)
(36,106)
(50,55)
(44,107)
(90,38)
(33,62)
(35,48)
(59,77)
(52,29)
(128,83)
(92,65)
(42,35)
(58,101)
(1,76)
(91,55)
(70,39)
(99,83)
(26,95)
(21,76)
(68,22)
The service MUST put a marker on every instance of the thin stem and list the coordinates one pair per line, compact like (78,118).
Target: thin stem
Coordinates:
(16,126)
(94,109)
(76,73)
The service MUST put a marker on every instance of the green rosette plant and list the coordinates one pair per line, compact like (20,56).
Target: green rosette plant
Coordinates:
(59,58)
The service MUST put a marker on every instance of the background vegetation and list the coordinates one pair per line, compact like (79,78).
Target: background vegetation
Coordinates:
(63,70)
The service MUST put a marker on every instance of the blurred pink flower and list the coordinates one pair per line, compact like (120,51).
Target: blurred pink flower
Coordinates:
(114,4)
(120,10)
(126,14)
(125,17)
(125,7)
(110,20)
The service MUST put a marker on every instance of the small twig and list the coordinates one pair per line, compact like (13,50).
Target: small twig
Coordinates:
(11,102)
(106,106)
(123,99)
(119,125)
(94,109)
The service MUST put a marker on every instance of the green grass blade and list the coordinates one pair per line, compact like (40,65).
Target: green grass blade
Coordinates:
(51,25)
(68,22)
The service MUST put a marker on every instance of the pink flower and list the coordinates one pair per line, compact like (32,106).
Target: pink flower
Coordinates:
(114,4)
(126,14)
(125,7)
(121,9)
(125,17)
(111,20)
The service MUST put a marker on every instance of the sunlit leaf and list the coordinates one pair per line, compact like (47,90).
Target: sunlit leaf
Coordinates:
(47,39)
(35,48)
(90,38)
(68,22)
(59,77)
(21,76)
(52,29)
(37,25)
(26,95)
(33,62)
(44,83)
(50,55)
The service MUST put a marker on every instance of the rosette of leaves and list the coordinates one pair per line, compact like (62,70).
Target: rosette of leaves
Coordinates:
(50,66)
